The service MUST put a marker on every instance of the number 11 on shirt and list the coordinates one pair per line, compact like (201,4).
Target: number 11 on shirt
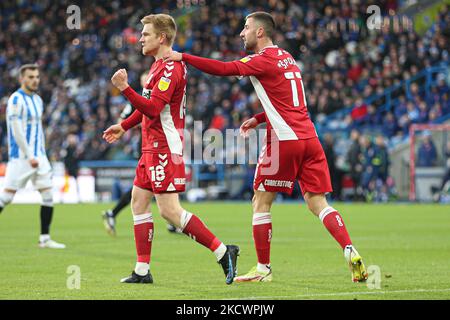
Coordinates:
(291,76)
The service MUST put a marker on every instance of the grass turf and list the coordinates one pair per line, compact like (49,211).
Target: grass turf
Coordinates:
(409,243)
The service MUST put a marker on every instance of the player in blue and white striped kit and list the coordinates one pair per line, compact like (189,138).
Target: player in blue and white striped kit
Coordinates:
(26,144)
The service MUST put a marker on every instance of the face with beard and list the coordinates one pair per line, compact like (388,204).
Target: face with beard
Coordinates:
(30,80)
(249,34)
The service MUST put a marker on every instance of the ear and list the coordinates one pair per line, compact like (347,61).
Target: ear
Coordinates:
(260,32)
(162,38)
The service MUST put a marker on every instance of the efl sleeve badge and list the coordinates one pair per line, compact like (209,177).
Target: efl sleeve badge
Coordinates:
(164,84)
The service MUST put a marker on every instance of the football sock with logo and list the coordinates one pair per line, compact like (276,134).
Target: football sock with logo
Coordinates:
(143,237)
(197,230)
(262,235)
(334,223)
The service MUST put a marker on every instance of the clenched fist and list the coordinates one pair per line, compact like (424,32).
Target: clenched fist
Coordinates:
(120,79)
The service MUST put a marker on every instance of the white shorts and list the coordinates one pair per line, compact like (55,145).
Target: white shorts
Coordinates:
(19,171)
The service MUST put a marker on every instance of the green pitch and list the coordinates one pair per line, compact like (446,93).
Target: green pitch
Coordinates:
(409,243)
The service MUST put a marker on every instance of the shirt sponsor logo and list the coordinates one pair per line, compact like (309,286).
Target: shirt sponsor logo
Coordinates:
(180,181)
(164,83)
(146,93)
(278,183)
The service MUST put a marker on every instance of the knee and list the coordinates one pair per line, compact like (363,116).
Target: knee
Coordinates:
(47,197)
(138,205)
(316,203)
(259,205)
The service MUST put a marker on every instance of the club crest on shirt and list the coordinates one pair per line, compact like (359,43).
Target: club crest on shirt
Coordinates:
(164,84)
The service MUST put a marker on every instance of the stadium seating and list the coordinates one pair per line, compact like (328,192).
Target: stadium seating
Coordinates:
(380,81)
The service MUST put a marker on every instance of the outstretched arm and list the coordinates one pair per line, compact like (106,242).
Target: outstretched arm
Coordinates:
(252,65)
(212,66)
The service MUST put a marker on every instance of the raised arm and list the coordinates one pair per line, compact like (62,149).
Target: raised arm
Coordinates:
(150,107)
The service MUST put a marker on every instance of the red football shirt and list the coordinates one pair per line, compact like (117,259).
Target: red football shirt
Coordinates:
(167,82)
(278,83)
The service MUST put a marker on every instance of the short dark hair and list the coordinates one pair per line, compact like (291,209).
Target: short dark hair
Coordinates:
(267,21)
(29,66)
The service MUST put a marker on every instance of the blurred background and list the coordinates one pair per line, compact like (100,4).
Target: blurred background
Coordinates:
(379,96)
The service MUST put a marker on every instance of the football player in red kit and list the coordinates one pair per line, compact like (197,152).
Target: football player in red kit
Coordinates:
(160,171)
(292,151)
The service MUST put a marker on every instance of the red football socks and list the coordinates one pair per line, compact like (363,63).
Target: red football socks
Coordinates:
(334,223)
(143,236)
(197,230)
(262,235)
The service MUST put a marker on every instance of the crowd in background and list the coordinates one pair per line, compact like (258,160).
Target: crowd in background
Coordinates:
(342,64)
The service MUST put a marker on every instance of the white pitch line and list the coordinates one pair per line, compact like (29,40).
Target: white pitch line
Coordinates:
(375,291)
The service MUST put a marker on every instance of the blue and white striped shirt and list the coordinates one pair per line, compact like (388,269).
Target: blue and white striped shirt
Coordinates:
(26,111)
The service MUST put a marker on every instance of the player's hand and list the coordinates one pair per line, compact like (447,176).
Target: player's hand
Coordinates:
(247,125)
(34,163)
(113,133)
(120,79)
(173,56)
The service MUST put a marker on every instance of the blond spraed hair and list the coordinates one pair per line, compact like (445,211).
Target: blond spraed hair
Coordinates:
(162,23)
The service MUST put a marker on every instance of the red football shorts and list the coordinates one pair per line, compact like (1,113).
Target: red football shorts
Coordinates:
(283,162)
(160,173)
